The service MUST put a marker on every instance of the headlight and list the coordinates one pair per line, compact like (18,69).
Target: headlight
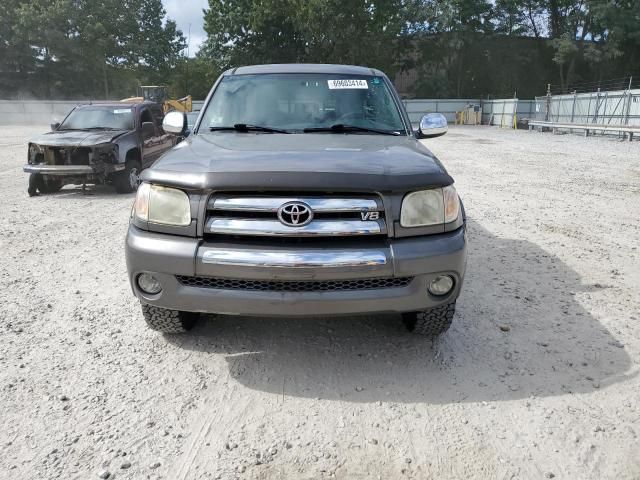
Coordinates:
(164,205)
(430,207)
(34,147)
(107,153)
(34,151)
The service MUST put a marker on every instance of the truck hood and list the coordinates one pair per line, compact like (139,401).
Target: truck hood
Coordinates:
(318,161)
(77,138)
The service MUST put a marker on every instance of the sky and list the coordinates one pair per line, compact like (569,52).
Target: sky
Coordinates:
(185,13)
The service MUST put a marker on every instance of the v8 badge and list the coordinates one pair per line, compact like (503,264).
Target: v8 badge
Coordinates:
(369,216)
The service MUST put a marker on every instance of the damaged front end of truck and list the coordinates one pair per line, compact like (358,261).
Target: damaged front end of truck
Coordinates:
(53,166)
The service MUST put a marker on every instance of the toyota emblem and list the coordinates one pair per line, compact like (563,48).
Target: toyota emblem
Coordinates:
(295,214)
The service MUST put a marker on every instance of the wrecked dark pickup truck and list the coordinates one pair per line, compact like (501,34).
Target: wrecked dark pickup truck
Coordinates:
(103,143)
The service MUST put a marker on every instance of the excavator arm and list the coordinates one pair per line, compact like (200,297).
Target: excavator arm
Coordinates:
(181,105)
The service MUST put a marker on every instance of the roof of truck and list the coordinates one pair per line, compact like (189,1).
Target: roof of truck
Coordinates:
(303,68)
(116,104)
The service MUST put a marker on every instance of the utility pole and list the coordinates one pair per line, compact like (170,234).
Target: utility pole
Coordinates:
(629,100)
(187,63)
(547,111)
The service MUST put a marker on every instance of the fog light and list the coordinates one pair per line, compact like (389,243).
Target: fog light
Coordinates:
(149,284)
(441,285)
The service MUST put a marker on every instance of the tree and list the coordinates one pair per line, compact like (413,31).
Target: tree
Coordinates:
(47,27)
(127,37)
(104,49)
(155,48)
(17,60)
(510,18)
(363,32)
(446,57)
(193,76)
(616,30)
(59,48)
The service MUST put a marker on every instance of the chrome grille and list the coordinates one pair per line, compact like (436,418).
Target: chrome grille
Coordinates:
(294,286)
(257,215)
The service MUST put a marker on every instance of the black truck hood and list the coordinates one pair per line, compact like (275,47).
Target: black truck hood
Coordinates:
(77,138)
(318,161)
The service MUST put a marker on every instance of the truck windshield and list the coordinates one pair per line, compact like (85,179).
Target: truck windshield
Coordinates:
(299,102)
(99,117)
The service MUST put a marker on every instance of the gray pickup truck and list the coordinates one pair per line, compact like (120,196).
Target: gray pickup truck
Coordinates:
(98,143)
(301,190)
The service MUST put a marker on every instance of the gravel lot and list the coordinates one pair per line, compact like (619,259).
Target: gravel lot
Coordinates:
(538,377)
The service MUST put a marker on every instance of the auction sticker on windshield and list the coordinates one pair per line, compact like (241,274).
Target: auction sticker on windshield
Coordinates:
(122,110)
(347,83)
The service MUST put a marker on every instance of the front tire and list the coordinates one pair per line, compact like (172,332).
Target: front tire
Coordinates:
(168,321)
(432,322)
(50,185)
(41,184)
(34,182)
(127,180)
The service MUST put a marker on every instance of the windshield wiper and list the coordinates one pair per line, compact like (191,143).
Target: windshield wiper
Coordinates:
(87,129)
(243,127)
(341,128)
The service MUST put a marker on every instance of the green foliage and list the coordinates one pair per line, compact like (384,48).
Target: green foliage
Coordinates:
(565,49)
(84,48)
(464,48)
(274,31)
(193,76)
(511,18)
(453,47)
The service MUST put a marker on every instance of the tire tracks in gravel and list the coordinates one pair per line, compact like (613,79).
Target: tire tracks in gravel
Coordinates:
(538,374)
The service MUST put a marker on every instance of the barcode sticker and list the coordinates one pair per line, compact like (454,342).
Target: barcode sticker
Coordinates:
(347,83)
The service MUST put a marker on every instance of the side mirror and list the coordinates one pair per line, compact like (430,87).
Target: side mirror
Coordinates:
(54,126)
(148,130)
(175,122)
(432,125)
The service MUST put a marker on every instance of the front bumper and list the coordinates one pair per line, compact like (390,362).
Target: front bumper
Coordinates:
(71,170)
(168,256)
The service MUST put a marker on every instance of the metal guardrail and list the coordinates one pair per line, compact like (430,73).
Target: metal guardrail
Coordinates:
(588,127)
(503,112)
(43,112)
(620,107)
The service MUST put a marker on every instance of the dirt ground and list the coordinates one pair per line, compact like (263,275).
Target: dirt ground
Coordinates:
(538,377)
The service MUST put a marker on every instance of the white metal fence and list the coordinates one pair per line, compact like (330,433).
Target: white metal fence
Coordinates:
(621,107)
(416,108)
(506,112)
(495,112)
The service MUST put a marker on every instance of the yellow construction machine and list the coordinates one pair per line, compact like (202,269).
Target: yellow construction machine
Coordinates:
(160,94)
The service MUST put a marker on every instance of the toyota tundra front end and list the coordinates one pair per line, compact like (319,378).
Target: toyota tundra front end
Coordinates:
(301,191)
